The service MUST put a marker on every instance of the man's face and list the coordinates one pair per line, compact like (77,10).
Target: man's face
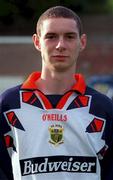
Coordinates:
(60,43)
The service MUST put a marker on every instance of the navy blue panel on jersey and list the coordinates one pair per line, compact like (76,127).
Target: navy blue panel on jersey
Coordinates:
(3,124)
(5,160)
(104,111)
(10,99)
(30,98)
(54,99)
(98,98)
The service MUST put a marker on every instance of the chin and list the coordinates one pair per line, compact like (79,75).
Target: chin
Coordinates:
(61,68)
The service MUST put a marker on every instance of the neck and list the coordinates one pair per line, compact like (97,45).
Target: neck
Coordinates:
(55,82)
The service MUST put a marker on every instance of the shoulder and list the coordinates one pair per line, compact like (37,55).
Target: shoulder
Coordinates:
(10,91)
(98,97)
(100,103)
(10,98)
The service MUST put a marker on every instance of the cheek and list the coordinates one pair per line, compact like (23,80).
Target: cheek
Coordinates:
(45,51)
(76,48)
(45,46)
(75,52)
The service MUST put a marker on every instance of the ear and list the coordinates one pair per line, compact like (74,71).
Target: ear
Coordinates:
(83,40)
(36,42)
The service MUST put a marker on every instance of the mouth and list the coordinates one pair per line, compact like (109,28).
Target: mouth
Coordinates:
(60,57)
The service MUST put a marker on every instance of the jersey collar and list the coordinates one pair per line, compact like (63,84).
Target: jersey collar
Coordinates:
(30,83)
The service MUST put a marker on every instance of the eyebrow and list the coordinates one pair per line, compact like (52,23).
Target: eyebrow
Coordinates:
(71,33)
(67,33)
(50,33)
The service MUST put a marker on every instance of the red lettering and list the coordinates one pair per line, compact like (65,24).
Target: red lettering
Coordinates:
(54,117)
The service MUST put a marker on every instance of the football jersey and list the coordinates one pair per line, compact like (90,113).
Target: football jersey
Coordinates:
(46,137)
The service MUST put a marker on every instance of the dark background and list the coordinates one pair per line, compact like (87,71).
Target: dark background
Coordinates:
(18,17)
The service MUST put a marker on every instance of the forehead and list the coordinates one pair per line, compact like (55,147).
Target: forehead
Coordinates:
(59,25)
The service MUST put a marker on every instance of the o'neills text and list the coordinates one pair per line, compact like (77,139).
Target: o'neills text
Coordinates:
(54,117)
(55,164)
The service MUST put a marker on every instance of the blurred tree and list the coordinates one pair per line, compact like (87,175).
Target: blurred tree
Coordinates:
(88,6)
(97,6)
(7,10)
(20,11)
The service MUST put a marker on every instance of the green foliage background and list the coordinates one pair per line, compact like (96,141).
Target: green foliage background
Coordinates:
(20,12)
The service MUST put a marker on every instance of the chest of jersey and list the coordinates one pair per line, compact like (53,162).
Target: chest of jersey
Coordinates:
(71,134)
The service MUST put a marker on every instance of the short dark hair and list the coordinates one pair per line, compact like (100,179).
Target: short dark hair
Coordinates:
(56,12)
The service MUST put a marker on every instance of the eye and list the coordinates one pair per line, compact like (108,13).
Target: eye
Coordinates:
(70,36)
(50,36)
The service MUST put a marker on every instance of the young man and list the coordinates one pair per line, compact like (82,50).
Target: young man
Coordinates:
(53,126)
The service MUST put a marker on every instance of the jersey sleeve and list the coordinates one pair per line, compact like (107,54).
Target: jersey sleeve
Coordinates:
(5,161)
(102,106)
(107,162)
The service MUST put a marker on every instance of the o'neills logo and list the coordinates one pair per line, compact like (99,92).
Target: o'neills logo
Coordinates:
(54,117)
(55,164)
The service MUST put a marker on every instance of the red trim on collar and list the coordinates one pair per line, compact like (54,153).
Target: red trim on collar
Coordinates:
(79,86)
(30,83)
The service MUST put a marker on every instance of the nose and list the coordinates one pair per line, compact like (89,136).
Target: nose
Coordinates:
(61,44)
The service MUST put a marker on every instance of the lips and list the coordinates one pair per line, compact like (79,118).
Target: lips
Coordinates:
(60,57)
